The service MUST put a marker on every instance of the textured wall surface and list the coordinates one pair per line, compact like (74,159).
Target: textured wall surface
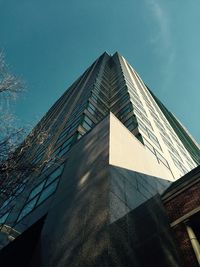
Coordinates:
(92,194)
(143,238)
(180,202)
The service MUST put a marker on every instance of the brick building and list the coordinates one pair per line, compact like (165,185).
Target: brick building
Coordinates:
(182,204)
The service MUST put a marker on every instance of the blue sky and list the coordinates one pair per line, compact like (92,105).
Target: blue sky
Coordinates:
(50,43)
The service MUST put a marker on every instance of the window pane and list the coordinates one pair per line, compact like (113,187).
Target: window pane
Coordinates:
(27,208)
(48,191)
(36,190)
(88,121)
(7,201)
(4,217)
(54,175)
(64,150)
(86,126)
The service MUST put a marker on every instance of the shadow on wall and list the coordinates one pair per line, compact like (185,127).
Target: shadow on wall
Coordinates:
(78,229)
(20,251)
(75,232)
(129,189)
(143,238)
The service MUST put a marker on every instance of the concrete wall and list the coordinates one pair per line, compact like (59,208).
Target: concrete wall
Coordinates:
(127,152)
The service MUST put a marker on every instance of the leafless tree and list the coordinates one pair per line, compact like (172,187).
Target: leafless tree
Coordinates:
(9,83)
(14,142)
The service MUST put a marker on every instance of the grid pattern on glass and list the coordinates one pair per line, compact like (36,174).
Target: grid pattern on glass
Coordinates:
(139,115)
(94,111)
(41,192)
(48,191)
(138,105)
(124,111)
(148,133)
(178,164)
(38,157)
(65,147)
(87,123)
(184,155)
(163,131)
(6,202)
(4,217)
(16,192)
(170,146)
(159,157)
(69,127)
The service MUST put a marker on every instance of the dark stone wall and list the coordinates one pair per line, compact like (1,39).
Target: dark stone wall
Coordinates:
(102,215)
(143,238)
(75,233)
(20,251)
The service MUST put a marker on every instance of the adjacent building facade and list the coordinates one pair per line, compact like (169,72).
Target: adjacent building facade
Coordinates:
(112,149)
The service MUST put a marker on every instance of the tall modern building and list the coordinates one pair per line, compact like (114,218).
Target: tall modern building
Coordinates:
(114,147)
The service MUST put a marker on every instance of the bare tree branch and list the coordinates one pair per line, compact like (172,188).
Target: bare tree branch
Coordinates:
(17,165)
(9,83)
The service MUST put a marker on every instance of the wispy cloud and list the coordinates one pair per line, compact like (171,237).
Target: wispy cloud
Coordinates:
(161,18)
(161,38)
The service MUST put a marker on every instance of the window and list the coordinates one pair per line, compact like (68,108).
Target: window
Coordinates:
(159,157)
(170,146)
(7,201)
(60,151)
(149,146)
(18,190)
(27,208)
(38,158)
(162,159)
(54,175)
(49,190)
(139,114)
(4,218)
(41,192)
(120,101)
(178,164)
(69,127)
(129,122)
(36,190)
(149,133)
(87,123)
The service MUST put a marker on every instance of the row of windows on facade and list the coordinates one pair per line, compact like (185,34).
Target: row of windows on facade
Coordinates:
(124,96)
(155,118)
(160,158)
(87,124)
(75,120)
(164,132)
(39,193)
(62,101)
(58,120)
(176,154)
(146,131)
(149,102)
(71,128)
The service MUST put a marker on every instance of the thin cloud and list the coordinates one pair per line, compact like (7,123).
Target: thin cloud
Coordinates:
(162,41)
(162,20)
